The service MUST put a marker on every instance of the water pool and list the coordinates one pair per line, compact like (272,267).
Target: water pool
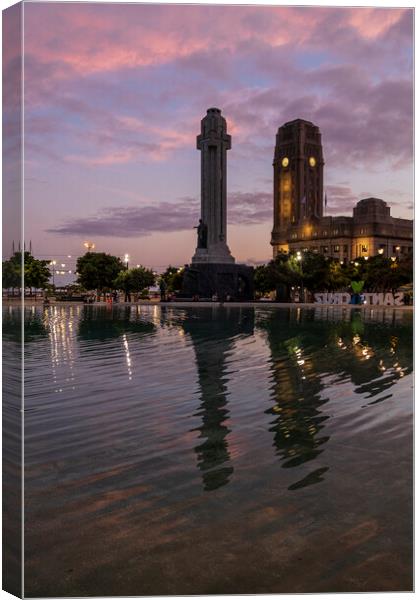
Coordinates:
(216,450)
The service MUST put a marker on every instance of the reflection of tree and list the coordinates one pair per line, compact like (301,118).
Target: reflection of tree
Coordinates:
(306,349)
(102,323)
(12,325)
(213,334)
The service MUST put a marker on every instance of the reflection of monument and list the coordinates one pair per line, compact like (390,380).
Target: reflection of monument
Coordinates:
(213,340)
(213,270)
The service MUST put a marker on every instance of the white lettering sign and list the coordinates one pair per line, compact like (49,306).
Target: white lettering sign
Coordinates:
(369,298)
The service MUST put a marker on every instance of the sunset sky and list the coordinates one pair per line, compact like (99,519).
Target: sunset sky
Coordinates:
(114,95)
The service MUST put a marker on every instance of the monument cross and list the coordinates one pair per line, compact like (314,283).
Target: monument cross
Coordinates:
(213,142)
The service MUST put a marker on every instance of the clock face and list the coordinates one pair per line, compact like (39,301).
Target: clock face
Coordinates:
(312,162)
(285,162)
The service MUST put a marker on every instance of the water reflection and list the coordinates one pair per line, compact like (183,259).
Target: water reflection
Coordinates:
(298,407)
(309,348)
(213,341)
(263,409)
(307,353)
(106,323)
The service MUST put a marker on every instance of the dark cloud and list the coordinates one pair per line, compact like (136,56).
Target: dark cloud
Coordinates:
(136,221)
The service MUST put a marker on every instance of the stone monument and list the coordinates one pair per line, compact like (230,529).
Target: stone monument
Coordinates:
(213,270)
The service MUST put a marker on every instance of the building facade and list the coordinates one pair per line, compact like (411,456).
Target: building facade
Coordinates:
(299,222)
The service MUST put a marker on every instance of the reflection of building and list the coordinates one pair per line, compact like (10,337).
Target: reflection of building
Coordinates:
(299,223)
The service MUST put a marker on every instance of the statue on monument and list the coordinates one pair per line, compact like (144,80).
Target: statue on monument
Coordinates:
(201,234)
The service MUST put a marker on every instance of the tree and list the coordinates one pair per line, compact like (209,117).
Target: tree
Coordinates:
(98,270)
(134,280)
(337,278)
(263,281)
(12,274)
(36,272)
(173,278)
(141,279)
(315,271)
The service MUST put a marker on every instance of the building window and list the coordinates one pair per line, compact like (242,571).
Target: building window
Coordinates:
(325,249)
(294,236)
(364,248)
(315,234)
(336,248)
(345,249)
(362,230)
(335,231)
(325,232)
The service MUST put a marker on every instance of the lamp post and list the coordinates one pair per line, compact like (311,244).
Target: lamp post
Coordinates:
(126,259)
(52,264)
(89,246)
(299,259)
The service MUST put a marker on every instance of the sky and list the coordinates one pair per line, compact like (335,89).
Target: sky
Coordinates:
(114,95)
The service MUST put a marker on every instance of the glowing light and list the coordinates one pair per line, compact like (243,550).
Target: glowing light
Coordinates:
(393,258)
(89,245)
(312,162)
(366,257)
(285,162)
(356,264)
(380,251)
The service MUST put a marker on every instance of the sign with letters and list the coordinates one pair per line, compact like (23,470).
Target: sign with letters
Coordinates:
(368,298)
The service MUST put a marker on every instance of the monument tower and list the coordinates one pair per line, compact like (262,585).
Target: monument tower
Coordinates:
(298,179)
(213,142)
(213,271)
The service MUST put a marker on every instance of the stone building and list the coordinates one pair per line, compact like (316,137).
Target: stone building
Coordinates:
(299,222)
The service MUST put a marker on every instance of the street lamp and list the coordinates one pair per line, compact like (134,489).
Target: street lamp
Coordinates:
(380,251)
(52,264)
(89,245)
(126,259)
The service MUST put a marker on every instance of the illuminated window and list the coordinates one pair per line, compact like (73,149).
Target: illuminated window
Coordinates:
(364,248)
(336,248)
(325,249)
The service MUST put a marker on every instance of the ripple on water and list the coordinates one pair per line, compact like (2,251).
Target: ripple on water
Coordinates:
(212,418)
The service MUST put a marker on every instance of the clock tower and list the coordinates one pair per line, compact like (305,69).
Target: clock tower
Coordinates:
(298,179)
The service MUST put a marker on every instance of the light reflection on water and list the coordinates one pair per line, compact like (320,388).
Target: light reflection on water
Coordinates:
(201,415)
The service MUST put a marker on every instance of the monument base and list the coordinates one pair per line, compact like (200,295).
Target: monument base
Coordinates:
(216,254)
(227,281)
